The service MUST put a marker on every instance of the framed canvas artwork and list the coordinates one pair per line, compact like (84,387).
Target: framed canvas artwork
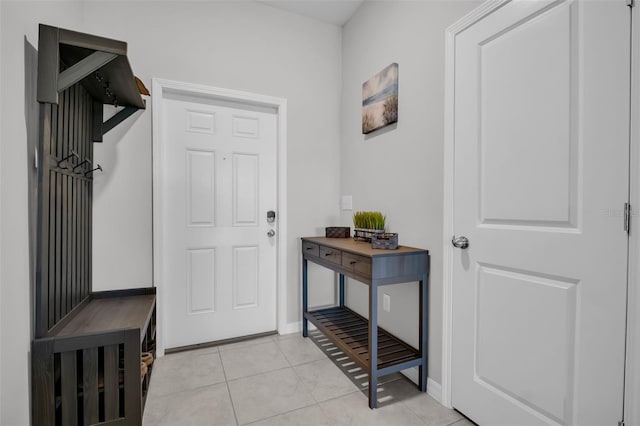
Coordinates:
(380,99)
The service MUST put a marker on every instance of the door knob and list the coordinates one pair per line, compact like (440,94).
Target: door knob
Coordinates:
(271,233)
(461,242)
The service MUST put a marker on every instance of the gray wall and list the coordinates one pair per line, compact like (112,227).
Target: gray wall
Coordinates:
(236,45)
(398,170)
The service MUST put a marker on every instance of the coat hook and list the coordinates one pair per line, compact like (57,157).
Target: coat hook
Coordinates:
(93,170)
(86,160)
(72,154)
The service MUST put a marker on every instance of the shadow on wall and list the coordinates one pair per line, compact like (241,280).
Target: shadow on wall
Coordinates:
(31,119)
(381,131)
(109,153)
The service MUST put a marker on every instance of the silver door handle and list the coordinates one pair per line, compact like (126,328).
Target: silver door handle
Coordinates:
(461,242)
(271,233)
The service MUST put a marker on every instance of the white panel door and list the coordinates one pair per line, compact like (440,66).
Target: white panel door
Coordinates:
(541,178)
(219,262)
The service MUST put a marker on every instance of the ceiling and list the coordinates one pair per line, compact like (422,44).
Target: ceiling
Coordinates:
(336,12)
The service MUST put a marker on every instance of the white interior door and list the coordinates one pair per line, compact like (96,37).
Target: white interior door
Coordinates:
(219,262)
(541,178)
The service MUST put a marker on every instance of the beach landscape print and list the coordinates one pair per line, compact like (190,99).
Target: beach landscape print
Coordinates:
(380,99)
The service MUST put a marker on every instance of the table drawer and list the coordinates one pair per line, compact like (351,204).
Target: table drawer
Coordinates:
(360,265)
(330,254)
(310,249)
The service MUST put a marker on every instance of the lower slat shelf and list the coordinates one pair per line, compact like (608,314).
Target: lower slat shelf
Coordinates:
(349,332)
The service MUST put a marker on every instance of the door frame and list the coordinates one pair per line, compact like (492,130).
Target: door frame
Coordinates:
(632,371)
(160,88)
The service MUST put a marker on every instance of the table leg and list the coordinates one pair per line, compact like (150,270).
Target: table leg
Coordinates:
(305,303)
(341,290)
(423,332)
(373,344)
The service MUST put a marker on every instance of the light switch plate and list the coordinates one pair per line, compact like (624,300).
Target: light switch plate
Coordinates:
(386,303)
(347,202)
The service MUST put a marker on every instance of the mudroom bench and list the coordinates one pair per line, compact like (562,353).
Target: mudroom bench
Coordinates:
(87,368)
(86,355)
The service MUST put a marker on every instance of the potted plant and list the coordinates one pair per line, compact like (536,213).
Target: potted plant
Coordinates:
(366,224)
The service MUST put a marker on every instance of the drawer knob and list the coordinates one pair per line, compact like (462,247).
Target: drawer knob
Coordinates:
(309,248)
(328,254)
(353,262)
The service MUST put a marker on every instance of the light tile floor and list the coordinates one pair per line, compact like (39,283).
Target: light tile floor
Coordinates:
(279,381)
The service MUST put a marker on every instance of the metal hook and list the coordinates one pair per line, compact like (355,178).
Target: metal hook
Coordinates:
(71,154)
(86,160)
(93,170)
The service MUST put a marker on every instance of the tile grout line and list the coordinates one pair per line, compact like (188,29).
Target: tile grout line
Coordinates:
(286,412)
(175,391)
(280,369)
(318,403)
(226,382)
(258,374)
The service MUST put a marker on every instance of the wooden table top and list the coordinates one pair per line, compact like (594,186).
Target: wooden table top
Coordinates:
(361,247)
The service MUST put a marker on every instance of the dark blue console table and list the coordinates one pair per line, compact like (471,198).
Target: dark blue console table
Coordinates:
(375,350)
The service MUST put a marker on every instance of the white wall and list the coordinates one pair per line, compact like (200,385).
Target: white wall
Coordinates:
(236,45)
(398,170)
(19,20)
(632,379)
(1,399)
(239,45)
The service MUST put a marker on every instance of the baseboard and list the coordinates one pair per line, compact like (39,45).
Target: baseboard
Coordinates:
(434,389)
(294,327)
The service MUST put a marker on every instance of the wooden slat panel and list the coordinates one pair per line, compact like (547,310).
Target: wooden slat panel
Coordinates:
(57,252)
(75,293)
(90,385)
(69,206)
(61,124)
(61,301)
(89,211)
(43,401)
(132,397)
(49,310)
(81,207)
(80,184)
(354,340)
(42,252)
(111,386)
(334,314)
(87,152)
(354,334)
(346,324)
(85,237)
(69,382)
